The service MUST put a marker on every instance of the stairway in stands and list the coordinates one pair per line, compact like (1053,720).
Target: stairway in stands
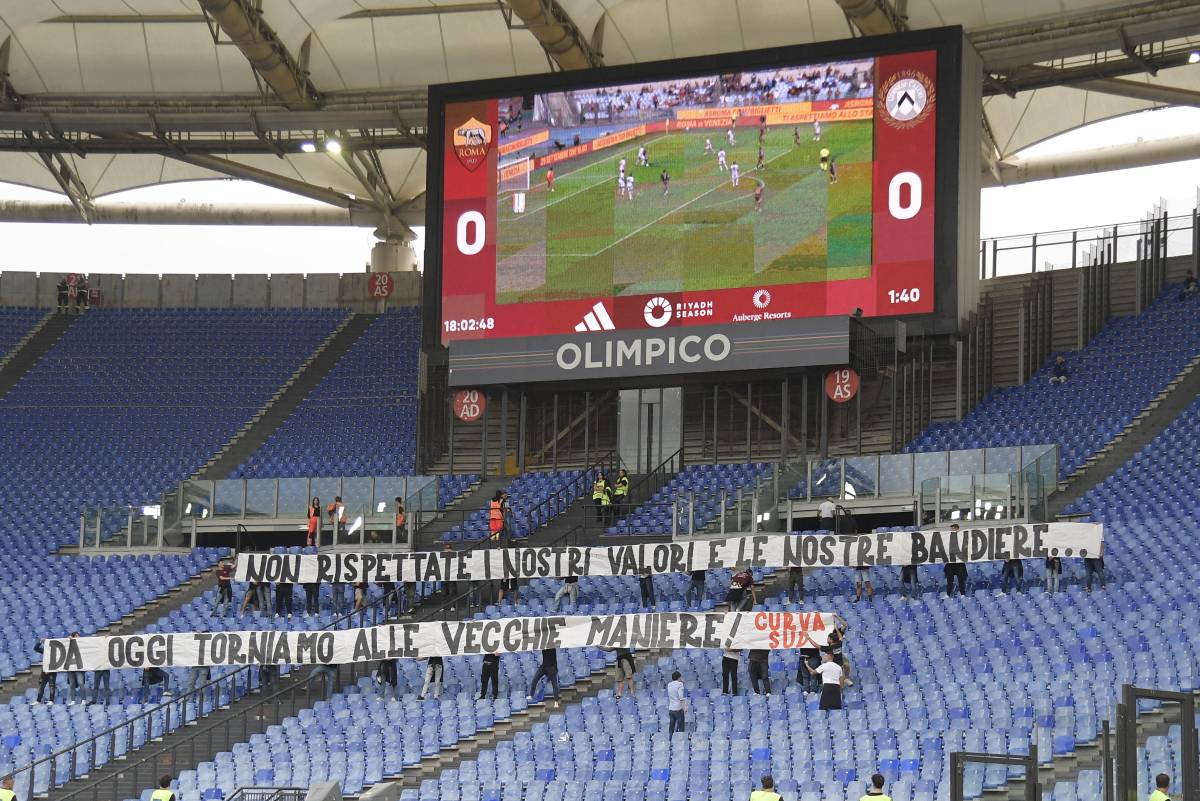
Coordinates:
(260,427)
(40,340)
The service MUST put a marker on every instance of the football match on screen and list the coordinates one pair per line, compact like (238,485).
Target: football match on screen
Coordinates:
(745,179)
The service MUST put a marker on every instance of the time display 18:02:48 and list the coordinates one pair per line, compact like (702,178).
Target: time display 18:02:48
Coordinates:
(470,324)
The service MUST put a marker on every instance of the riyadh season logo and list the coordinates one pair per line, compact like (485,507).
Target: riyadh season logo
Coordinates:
(761,299)
(658,312)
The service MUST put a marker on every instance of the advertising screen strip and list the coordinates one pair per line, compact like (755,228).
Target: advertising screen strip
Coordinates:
(893,548)
(731,198)
(653,630)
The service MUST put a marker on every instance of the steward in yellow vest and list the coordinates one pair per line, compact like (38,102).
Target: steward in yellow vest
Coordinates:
(164,792)
(876,792)
(6,789)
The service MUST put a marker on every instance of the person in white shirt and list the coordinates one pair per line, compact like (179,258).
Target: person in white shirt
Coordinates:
(708,146)
(735,173)
(621,166)
(816,130)
(825,515)
(642,160)
(629,185)
(620,186)
(676,704)
(832,679)
(729,136)
(721,160)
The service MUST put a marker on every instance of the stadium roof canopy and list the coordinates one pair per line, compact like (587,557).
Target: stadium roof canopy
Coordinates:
(100,96)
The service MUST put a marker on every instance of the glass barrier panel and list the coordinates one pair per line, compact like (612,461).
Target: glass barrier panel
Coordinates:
(227,497)
(1001,460)
(89,517)
(957,498)
(260,497)
(356,492)
(966,462)
(326,489)
(992,496)
(860,476)
(896,474)
(387,489)
(293,497)
(197,499)
(928,465)
(826,478)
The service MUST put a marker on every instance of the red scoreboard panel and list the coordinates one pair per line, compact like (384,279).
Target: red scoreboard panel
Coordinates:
(730,194)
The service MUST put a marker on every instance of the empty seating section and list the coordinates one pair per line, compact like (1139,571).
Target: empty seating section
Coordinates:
(364,734)
(124,405)
(129,402)
(15,324)
(360,420)
(1111,380)
(452,487)
(535,498)
(714,487)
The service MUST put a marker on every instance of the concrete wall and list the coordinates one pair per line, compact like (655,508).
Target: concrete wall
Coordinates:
(283,291)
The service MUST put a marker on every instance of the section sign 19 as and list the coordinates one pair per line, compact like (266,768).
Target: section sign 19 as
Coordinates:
(841,384)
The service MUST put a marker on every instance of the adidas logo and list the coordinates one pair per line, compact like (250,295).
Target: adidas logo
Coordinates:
(596,320)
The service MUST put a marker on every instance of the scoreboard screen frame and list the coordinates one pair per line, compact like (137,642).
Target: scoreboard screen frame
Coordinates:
(946,42)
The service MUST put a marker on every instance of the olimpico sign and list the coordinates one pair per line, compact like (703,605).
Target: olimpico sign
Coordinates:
(644,352)
(672,350)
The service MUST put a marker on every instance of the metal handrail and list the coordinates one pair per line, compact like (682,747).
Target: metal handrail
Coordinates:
(269,794)
(180,702)
(460,606)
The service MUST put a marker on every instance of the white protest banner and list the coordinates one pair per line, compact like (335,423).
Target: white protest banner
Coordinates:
(970,544)
(654,630)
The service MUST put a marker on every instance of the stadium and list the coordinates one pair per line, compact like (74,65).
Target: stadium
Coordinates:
(689,432)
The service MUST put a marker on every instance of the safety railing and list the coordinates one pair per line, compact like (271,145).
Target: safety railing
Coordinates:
(195,704)
(269,794)
(528,519)
(454,601)
(1068,248)
(902,474)
(195,504)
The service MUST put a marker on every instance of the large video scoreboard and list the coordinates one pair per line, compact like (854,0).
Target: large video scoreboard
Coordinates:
(704,214)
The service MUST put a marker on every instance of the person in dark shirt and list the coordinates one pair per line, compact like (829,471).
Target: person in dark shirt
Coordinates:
(626,670)
(695,589)
(490,674)
(736,598)
(758,661)
(224,588)
(1011,575)
(646,585)
(1059,374)
(47,678)
(796,584)
(1189,287)
(570,588)
(547,670)
(434,668)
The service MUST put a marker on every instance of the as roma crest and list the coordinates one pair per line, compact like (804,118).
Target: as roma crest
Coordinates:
(472,140)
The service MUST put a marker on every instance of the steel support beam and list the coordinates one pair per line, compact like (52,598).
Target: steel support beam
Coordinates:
(1138,90)
(26,211)
(243,23)
(1119,157)
(9,98)
(559,36)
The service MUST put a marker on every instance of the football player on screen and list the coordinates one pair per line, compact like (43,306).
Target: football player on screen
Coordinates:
(735,173)
(758,196)
(721,160)
(816,130)
(824,159)
(643,161)
(666,182)
(708,146)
